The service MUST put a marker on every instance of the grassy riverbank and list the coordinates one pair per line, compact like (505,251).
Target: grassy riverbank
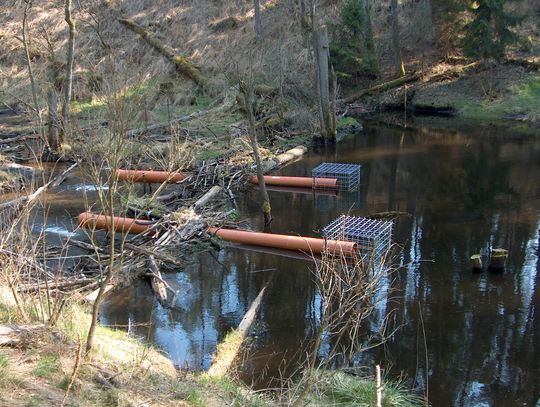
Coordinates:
(123,371)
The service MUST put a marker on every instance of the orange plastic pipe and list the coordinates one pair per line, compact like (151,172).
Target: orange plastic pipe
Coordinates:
(303,244)
(301,182)
(298,190)
(151,176)
(126,225)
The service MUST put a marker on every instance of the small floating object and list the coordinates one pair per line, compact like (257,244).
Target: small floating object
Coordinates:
(287,242)
(497,261)
(152,176)
(298,182)
(91,220)
(476,263)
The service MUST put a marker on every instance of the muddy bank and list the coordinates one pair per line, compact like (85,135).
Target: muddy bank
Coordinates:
(485,92)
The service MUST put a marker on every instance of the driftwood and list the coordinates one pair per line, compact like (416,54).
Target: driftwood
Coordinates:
(206,198)
(148,252)
(160,286)
(54,284)
(17,203)
(93,295)
(183,64)
(20,335)
(284,158)
(224,361)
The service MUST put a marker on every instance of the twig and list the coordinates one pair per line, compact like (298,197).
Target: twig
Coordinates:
(75,370)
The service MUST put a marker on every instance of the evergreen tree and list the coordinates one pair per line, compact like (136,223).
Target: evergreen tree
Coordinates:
(352,51)
(489,33)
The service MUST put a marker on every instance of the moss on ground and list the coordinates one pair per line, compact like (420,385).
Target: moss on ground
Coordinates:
(521,102)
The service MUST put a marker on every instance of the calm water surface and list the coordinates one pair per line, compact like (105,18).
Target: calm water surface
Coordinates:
(467,191)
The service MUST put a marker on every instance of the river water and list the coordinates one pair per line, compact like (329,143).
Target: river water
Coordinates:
(467,339)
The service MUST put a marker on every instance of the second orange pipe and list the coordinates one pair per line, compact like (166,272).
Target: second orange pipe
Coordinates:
(125,225)
(151,176)
(287,242)
(302,182)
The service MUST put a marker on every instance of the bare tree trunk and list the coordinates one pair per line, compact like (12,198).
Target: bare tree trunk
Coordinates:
(370,44)
(258,24)
(394,21)
(106,281)
(326,108)
(27,7)
(52,108)
(69,67)
(249,102)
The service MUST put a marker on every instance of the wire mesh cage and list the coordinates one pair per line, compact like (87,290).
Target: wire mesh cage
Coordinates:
(348,175)
(373,236)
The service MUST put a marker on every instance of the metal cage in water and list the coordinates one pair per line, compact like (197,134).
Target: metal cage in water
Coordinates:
(348,175)
(373,236)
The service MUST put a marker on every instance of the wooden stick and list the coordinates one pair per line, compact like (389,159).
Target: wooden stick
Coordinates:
(157,282)
(157,255)
(211,194)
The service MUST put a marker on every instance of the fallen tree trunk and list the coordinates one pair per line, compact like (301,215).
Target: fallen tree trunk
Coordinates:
(227,352)
(395,83)
(284,158)
(382,87)
(183,64)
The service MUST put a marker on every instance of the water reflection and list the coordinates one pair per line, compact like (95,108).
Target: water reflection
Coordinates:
(471,339)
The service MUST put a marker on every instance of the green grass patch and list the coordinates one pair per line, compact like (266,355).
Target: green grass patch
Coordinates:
(234,393)
(5,314)
(37,400)
(347,122)
(194,398)
(47,366)
(4,363)
(208,154)
(334,388)
(64,383)
(521,99)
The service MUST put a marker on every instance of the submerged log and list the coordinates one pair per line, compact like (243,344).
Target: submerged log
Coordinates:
(160,287)
(183,64)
